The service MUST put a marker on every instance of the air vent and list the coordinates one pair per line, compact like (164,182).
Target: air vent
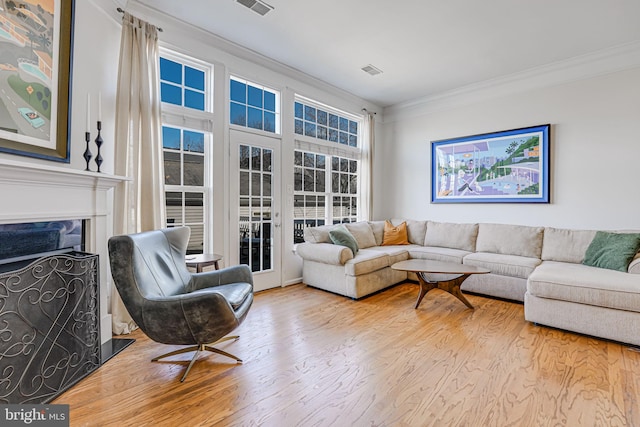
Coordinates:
(370,69)
(257,6)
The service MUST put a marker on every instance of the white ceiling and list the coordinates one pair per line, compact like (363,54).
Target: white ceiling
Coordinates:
(423,47)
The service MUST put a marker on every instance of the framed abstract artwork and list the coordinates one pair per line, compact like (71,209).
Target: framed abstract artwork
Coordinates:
(36,38)
(509,166)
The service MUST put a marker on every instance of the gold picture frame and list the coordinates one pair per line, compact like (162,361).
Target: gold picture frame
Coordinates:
(36,42)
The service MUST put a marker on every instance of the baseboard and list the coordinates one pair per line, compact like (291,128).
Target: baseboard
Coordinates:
(292,282)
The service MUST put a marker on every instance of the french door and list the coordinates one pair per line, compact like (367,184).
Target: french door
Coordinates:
(256,232)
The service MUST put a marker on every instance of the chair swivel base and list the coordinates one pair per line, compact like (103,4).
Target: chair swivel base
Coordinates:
(198,348)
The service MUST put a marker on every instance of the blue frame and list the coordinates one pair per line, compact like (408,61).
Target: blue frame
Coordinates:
(509,166)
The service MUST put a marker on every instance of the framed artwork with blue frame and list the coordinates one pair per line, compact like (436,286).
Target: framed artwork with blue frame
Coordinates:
(509,166)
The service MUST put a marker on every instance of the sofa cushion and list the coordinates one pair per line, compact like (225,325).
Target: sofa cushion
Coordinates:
(565,245)
(584,284)
(362,233)
(415,230)
(510,240)
(365,262)
(318,234)
(438,254)
(451,235)
(613,251)
(395,235)
(505,265)
(378,230)
(395,253)
(341,236)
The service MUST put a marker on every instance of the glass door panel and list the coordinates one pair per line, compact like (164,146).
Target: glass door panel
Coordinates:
(255,224)
(258,223)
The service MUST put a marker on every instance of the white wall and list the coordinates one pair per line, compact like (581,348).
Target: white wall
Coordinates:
(595,149)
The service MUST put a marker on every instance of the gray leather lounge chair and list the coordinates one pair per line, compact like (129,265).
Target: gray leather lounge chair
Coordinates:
(172,305)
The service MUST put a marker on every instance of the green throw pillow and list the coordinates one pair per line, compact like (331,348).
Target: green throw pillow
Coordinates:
(341,236)
(612,250)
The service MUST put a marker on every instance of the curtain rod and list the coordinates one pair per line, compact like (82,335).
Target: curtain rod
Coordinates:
(122,11)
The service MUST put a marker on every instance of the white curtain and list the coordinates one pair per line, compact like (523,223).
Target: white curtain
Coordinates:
(139,203)
(366,168)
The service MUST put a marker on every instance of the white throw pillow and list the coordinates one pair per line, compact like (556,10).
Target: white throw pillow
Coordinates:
(362,233)
(565,245)
(509,239)
(451,235)
(378,230)
(318,234)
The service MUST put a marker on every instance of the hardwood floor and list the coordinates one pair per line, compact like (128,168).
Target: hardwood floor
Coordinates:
(312,358)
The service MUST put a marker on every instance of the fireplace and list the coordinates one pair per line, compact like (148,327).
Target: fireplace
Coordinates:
(20,243)
(42,192)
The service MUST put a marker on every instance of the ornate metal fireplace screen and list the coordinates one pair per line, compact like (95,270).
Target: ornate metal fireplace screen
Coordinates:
(49,327)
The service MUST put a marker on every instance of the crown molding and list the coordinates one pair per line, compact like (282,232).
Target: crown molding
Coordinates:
(615,59)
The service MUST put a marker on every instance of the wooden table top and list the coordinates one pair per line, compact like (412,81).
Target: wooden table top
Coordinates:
(429,266)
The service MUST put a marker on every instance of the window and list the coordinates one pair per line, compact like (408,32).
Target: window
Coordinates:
(184,168)
(184,90)
(254,106)
(325,125)
(317,202)
(326,166)
(182,84)
(344,189)
(309,201)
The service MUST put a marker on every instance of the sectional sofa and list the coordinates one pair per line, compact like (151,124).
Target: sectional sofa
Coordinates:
(540,266)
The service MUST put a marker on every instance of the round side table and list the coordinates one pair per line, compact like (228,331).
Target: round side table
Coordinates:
(200,261)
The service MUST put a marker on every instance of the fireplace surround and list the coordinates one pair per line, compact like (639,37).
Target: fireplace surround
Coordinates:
(36,192)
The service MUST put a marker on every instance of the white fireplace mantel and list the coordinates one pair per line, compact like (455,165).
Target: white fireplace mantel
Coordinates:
(31,192)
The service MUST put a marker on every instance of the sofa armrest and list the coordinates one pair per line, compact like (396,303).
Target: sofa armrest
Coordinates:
(327,253)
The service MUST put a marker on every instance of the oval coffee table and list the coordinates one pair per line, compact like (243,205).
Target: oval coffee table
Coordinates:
(423,267)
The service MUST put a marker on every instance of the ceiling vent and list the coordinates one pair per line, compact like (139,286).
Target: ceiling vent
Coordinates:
(257,6)
(370,69)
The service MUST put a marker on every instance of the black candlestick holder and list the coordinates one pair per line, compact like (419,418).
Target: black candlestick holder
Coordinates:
(98,142)
(87,153)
